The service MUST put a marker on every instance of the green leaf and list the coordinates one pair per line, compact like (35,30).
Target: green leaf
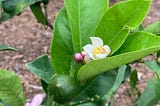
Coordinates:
(127,72)
(133,79)
(153,28)
(44,86)
(158,54)
(42,68)
(117,83)
(88,104)
(6,47)
(139,28)
(113,28)
(14,7)
(37,11)
(153,65)
(106,83)
(84,16)
(98,86)
(2,103)
(130,51)
(151,95)
(61,47)
(119,78)
(11,91)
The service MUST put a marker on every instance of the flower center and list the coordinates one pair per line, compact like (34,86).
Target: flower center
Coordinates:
(99,50)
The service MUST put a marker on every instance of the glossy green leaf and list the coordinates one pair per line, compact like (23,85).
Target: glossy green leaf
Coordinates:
(133,79)
(84,16)
(158,54)
(139,28)
(42,68)
(120,17)
(127,72)
(14,7)
(119,78)
(151,95)
(6,47)
(106,83)
(117,83)
(112,101)
(44,86)
(98,86)
(88,104)
(11,91)
(37,11)
(153,65)
(2,103)
(61,47)
(130,51)
(153,28)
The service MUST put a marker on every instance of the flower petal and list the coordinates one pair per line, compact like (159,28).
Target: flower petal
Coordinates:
(37,100)
(107,48)
(96,42)
(89,50)
(28,104)
(100,56)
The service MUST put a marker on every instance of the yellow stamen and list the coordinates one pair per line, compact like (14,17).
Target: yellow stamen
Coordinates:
(99,50)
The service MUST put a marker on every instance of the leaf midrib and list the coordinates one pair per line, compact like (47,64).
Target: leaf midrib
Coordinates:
(129,27)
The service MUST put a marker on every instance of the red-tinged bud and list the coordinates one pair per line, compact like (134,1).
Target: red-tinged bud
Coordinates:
(78,57)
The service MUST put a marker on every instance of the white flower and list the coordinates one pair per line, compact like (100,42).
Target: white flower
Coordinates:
(96,50)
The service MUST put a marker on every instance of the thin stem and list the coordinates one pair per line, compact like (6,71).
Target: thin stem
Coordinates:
(46,16)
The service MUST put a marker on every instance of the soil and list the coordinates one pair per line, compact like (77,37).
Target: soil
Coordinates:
(33,40)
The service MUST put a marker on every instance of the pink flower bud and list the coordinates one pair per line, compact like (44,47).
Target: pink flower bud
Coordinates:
(78,57)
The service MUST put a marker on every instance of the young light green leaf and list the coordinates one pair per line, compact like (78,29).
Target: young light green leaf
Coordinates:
(153,28)
(123,15)
(153,65)
(84,16)
(14,7)
(61,47)
(6,47)
(151,95)
(42,68)
(11,91)
(130,51)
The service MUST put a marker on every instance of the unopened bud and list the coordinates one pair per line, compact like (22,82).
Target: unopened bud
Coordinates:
(86,59)
(78,57)
(83,53)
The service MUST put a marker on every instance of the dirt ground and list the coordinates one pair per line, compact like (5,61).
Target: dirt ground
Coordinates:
(33,40)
